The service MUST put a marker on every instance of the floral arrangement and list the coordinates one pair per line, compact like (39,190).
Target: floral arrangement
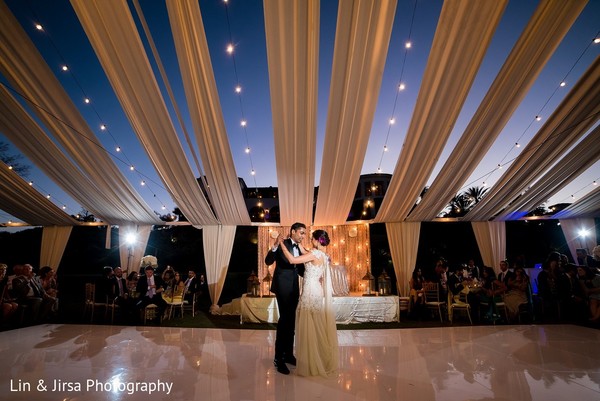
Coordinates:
(596,252)
(149,260)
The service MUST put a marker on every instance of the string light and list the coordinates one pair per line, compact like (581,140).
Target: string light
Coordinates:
(103,127)
(118,149)
(86,100)
(247,150)
(65,68)
(563,83)
(230,49)
(538,118)
(401,87)
(238,89)
(39,27)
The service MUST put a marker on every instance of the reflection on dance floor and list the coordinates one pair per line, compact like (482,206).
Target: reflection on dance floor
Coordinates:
(84,362)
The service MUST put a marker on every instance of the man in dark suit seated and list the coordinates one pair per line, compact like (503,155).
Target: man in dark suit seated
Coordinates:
(121,292)
(150,287)
(287,291)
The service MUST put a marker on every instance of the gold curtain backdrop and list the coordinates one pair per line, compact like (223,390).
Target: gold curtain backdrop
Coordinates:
(349,247)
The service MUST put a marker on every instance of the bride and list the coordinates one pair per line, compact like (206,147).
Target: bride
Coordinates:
(316,335)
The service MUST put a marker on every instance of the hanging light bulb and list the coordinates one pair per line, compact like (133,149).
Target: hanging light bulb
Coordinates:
(39,27)
(247,149)
(230,48)
(65,68)
(402,86)
(408,45)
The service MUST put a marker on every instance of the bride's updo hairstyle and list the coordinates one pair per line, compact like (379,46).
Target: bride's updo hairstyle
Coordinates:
(322,237)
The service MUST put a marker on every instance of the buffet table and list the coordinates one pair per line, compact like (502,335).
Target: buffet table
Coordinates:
(349,309)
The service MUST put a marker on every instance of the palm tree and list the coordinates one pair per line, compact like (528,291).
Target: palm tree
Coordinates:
(476,194)
(459,205)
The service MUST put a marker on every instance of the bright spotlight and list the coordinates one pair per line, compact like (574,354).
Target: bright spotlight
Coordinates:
(584,232)
(130,238)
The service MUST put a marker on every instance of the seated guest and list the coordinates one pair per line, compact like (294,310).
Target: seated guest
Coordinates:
(9,306)
(150,287)
(504,274)
(48,280)
(455,280)
(167,277)
(178,284)
(121,291)
(591,287)
(132,280)
(576,307)
(441,268)
(473,269)
(518,287)
(28,291)
(105,286)
(549,282)
(492,290)
(416,287)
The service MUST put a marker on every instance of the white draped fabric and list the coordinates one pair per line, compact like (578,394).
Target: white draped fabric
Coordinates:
(292,34)
(218,243)
(130,255)
(54,242)
(579,159)
(587,206)
(544,32)
(491,240)
(205,111)
(362,37)
(403,239)
(464,32)
(572,228)
(22,201)
(24,67)
(114,37)
(577,113)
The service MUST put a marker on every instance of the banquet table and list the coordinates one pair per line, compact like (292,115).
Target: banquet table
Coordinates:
(349,309)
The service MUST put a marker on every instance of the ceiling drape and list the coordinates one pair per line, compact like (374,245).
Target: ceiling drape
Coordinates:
(586,206)
(217,243)
(403,239)
(577,113)
(544,32)
(292,36)
(362,37)
(23,66)
(54,242)
(491,240)
(111,30)
(22,201)
(464,32)
(205,111)
(579,159)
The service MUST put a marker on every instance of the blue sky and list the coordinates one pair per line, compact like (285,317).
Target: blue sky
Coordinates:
(63,40)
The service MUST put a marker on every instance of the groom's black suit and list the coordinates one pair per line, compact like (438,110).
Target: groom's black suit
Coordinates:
(287,291)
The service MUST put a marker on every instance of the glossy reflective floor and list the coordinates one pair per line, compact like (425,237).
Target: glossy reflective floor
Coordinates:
(554,362)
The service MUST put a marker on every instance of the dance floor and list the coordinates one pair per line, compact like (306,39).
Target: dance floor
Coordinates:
(84,362)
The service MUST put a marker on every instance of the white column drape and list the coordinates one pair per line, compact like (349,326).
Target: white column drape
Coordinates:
(362,39)
(491,240)
(111,30)
(576,114)
(218,243)
(54,242)
(572,228)
(205,111)
(292,36)
(578,160)
(23,66)
(130,255)
(544,32)
(403,239)
(464,32)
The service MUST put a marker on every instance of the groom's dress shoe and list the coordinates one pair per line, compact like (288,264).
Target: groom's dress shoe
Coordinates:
(281,368)
(291,360)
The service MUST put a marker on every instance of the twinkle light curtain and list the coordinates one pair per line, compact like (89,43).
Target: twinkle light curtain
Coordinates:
(544,32)
(349,247)
(464,32)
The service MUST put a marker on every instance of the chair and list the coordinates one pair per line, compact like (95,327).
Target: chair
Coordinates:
(458,302)
(150,313)
(175,302)
(90,301)
(432,298)
(190,306)
(112,306)
(526,308)
(500,305)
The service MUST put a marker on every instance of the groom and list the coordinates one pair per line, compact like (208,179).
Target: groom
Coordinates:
(287,291)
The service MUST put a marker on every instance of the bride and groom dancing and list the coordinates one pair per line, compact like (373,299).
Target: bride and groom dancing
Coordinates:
(314,319)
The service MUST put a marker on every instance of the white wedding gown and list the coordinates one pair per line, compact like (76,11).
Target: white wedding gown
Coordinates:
(316,335)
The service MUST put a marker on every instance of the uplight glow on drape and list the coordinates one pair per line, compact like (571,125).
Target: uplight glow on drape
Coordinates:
(491,240)
(54,242)
(404,245)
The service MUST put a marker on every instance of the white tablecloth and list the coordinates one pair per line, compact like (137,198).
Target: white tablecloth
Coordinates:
(350,309)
